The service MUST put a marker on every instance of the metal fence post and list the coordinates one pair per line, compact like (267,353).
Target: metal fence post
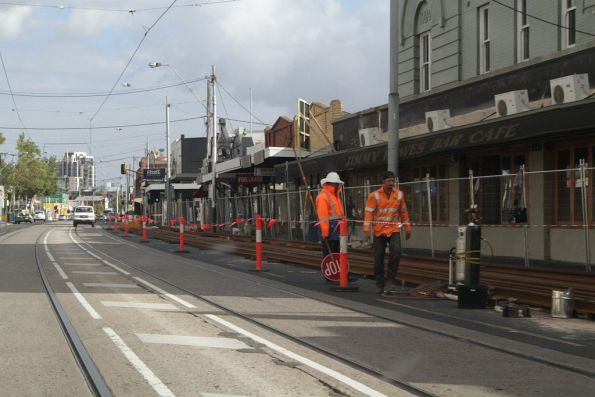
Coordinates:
(430,213)
(584,204)
(472,198)
(525,225)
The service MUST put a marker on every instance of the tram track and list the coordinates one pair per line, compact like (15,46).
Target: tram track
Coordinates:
(404,385)
(336,355)
(95,382)
(529,286)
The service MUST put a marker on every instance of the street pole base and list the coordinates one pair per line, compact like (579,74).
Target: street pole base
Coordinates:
(344,289)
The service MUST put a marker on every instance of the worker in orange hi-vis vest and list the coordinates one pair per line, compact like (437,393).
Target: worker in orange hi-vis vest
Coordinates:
(386,213)
(329,208)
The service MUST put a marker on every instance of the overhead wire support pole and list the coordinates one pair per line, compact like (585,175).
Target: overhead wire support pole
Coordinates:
(393,94)
(167,168)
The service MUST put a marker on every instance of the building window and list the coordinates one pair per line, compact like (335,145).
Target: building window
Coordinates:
(425,61)
(568,23)
(425,196)
(484,40)
(570,181)
(523,31)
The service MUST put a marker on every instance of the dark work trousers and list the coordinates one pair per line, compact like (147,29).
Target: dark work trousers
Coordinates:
(394,249)
(334,247)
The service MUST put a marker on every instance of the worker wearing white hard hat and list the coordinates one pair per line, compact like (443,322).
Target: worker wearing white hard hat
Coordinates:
(329,208)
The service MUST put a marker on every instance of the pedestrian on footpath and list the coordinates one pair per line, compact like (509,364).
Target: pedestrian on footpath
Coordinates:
(329,208)
(387,211)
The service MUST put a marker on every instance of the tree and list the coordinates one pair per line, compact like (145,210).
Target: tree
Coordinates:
(31,175)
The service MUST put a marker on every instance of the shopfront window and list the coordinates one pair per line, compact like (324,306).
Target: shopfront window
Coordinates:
(425,196)
(570,182)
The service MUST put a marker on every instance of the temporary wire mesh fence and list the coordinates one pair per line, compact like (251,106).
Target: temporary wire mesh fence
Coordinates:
(526,217)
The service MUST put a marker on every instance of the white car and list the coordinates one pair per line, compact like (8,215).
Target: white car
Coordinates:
(39,216)
(83,214)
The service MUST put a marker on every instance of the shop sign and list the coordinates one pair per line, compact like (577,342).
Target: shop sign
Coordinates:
(154,174)
(249,179)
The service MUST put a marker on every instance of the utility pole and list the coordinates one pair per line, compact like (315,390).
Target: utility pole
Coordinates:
(393,94)
(212,137)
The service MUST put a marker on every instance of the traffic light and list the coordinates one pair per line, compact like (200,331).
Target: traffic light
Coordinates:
(123,169)
(157,197)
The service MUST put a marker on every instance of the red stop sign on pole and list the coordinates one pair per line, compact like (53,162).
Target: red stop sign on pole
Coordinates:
(331,267)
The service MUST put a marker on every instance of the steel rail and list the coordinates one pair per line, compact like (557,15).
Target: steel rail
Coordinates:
(93,377)
(326,352)
(500,349)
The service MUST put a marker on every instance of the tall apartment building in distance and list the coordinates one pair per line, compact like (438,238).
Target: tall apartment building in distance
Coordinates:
(77,172)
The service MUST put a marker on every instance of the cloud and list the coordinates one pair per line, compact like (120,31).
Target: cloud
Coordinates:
(13,22)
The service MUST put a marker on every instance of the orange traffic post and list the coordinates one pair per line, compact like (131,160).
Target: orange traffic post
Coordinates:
(343,259)
(258,242)
(182,250)
(144,220)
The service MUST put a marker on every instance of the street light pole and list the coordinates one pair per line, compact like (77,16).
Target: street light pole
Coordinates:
(167,171)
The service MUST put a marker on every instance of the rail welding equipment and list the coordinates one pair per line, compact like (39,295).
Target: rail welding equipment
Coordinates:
(471,295)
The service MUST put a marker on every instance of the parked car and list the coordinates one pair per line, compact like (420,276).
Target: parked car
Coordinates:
(83,214)
(23,216)
(61,217)
(39,216)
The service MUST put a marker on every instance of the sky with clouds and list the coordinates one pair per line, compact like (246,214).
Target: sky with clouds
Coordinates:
(62,57)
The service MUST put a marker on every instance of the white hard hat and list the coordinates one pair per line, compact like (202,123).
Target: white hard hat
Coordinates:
(332,177)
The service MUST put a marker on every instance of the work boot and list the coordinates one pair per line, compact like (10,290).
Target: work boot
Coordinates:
(391,286)
(379,289)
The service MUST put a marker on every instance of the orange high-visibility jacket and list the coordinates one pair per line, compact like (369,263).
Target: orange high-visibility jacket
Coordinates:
(329,209)
(390,212)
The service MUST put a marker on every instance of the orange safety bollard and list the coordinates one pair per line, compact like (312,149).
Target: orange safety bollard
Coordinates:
(343,260)
(144,220)
(258,243)
(126,225)
(181,250)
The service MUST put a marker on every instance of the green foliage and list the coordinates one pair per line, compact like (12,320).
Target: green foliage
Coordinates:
(31,174)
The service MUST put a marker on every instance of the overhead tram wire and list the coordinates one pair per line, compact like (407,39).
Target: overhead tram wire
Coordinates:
(119,10)
(542,19)
(105,127)
(224,107)
(238,102)
(131,58)
(97,94)
(16,108)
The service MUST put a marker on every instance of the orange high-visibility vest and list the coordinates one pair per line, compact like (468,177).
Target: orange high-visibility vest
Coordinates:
(329,209)
(390,213)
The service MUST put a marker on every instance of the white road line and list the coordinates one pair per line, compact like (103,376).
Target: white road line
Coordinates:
(140,366)
(294,356)
(80,264)
(108,285)
(220,395)
(140,305)
(197,341)
(115,267)
(163,292)
(50,255)
(97,273)
(83,301)
(60,271)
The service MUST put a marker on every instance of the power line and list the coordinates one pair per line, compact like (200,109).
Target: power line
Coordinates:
(11,94)
(97,94)
(238,102)
(541,19)
(132,57)
(105,127)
